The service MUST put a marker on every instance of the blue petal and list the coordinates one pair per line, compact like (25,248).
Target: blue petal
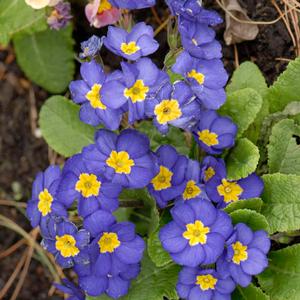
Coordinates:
(213,248)
(261,241)
(92,73)
(92,285)
(255,263)
(183,214)
(117,287)
(196,294)
(191,256)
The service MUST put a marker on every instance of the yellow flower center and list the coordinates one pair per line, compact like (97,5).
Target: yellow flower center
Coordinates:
(104,5)
(120,161)
(66,245)
(209,173)
(129,48)
(167,110)
(88,185)
(163,179)
(196,233)
(191,190)
(138,92)
(94,97)
(240,253)
(108,242)
(206,282)
(208,138)
(45,202)
(231,191)
(199,77)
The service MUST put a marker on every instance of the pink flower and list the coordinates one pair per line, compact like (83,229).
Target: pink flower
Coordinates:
(101,13)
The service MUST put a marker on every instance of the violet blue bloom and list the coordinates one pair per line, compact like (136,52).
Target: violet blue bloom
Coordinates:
(174,105)
(224,192)
(44,203)
(139,83)
(206,77)
(69,288)
(211,167)
(88,93)
(170,182)
(93,191)
(91,47)
(60,16)
(131,45)
(197,233)
(246,254)
(206,284)
(67,244)
(132,4)
(124,159)
(199,40)
(214,133)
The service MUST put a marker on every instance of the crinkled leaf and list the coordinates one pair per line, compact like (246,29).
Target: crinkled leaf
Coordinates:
(281,201)
(253,204)
(281,279)
(242,159)
(47,58)
(61,127)
(251,292)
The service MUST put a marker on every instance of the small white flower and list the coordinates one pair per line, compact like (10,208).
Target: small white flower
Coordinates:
(38,4)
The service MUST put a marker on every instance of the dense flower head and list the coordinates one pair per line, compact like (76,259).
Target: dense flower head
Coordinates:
(69,288)
(214,133)
(132,4)
(197,233)
(245,254)
(211,167)
(91,47)
(60,16)
(174,105)
(208,284)
(131,45)
(88,93)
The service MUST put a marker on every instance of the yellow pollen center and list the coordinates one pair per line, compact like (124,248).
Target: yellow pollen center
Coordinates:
(240,253)
(208,138)
(45,202)
(94,97)
(88,185)
(231,191)
(163,179)
(120,161)
(66,245)
(199,77)
(108,242)
(209,173)
(104,5)
(206,282)
(138,92)
(196,233)
(167,110)
(129,48)
(191,190)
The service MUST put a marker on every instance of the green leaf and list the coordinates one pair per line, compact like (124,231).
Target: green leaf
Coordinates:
(283,151)
(253,204)
(17,17)
(175,137)
(47,58)
(242,160)
(61,127)
(253,219)
(287,87)
(281,279)
(251,292)
(281,201)
(242,106)
(156,252)
(153,283)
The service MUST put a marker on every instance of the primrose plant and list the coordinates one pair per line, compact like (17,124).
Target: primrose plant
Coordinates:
(192,227)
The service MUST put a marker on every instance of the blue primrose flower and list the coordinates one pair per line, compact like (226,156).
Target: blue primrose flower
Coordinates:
(44,203)
(211,167)
(132,4)
(246,254)
(206,284)
(69,288)
(224,191)
(214,133)
(197,233)
(67,243)
(199,40)
(133,45)
(206,77)
(91,47)
(174,105)
(124,159)
(139,83)
(88,93)
(93,191)
(169,182)
(115,252)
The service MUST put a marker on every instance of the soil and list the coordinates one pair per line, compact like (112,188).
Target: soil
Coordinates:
(23,153)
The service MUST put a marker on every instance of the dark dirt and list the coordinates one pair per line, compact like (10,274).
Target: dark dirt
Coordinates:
(23,154)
